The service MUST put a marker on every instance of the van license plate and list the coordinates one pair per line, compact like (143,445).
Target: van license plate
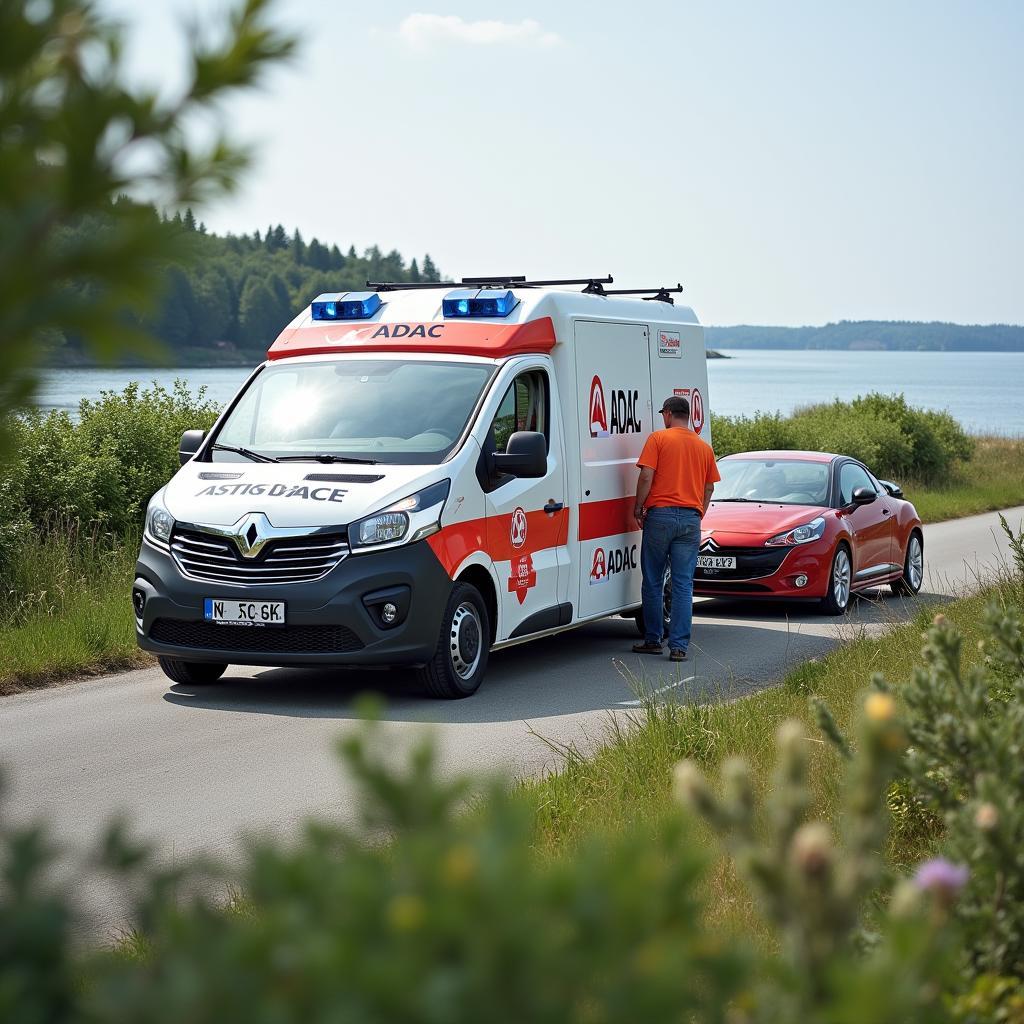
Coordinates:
(243,613)
(716,561)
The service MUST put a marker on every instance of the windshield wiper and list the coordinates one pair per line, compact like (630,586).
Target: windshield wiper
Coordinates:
(255,456)
(326,458)
(754,501)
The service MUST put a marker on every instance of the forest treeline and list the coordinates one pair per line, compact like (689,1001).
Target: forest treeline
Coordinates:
(228,296)
(905,335)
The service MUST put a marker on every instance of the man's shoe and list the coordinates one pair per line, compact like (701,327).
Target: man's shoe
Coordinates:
(677,656)
(647,648)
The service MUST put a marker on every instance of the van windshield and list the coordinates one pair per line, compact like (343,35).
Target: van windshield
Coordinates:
(371,410)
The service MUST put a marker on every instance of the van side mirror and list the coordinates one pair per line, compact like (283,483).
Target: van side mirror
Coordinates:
(189,444)
(895,491)
(526,455)
(863,495)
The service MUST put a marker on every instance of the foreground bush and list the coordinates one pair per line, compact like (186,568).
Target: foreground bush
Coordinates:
(456,918)
(889,436)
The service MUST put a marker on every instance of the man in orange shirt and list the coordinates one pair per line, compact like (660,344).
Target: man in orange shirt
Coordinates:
(677,476)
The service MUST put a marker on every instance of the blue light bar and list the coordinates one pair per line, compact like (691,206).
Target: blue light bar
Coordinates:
(478,302)
(345,305)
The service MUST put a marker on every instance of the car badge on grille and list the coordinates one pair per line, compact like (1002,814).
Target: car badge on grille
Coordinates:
(251,534)
(708,545)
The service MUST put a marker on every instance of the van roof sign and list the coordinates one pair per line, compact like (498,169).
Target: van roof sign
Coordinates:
(459,338)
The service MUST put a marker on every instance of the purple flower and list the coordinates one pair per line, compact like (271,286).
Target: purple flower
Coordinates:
(941,877)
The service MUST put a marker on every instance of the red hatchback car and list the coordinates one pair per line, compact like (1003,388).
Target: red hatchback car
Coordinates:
(806,525)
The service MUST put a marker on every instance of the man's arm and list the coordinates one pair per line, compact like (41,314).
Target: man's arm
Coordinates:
(709,489)
(643,488)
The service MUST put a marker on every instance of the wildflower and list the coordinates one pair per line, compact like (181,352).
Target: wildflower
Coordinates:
(986,817)
(941,877)
(939,620)
(812,848)
(906,900)
(406,913)
(880,707)
(687,783)
(460,864)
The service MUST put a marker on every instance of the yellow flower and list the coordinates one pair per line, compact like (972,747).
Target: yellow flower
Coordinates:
(880,707)
(460,864)
(406,913)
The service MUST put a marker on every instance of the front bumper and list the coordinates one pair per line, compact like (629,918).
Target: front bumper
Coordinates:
(768,572)
(328,622)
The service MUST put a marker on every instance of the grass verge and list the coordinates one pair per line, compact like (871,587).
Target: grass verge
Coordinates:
(628,781)
(65,610)
(993,479)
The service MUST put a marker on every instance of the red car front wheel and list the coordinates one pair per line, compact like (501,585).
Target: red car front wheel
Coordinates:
(837,597)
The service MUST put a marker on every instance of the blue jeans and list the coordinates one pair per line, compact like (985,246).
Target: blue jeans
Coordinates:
(671,537)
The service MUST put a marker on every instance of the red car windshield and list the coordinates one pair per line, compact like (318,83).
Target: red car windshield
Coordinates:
(781,482)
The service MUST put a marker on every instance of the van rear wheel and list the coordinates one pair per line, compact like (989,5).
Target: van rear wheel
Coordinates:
(458,666)
(191,673)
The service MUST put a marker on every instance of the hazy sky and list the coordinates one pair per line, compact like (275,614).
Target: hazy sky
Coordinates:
(789,162)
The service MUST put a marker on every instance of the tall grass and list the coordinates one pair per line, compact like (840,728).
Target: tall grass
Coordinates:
(992,479)
(65,606)
(628,781)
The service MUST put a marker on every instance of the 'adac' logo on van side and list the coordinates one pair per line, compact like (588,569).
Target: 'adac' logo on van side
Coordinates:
(612,563)
(624,407)
(408,331)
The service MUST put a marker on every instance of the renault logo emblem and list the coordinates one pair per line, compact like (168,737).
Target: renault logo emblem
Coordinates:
(251,534)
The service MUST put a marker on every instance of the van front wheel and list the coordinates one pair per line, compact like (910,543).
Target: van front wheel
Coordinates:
(458,666)
(191,673)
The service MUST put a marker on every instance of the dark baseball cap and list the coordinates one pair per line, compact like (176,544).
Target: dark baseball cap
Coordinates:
(677,406)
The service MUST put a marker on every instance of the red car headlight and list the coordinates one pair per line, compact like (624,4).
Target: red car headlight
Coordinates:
(814,530)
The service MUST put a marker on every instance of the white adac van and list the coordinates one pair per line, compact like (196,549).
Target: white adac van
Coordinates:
(418,476)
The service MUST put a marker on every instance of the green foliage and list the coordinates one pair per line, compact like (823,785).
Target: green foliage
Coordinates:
(100,470)
(74,137)
(814,887)
(966,732)
(892,438)
(456,919)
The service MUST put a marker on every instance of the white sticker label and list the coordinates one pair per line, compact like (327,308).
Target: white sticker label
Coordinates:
(669,345)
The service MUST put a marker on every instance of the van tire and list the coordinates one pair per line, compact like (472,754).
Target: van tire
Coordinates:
(460,661)
(191,673)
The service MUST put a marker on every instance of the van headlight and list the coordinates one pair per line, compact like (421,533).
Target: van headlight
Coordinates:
(410,519)
(813,530)
(159,522)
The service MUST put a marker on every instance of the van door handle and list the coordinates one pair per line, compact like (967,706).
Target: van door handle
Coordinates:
(553,506)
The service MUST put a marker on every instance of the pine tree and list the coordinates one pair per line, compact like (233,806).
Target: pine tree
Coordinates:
(318,256)
(414,271)
(190,219)
(258,321)
(298,248)
(430,272)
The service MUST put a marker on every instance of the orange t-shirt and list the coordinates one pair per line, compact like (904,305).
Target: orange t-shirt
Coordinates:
(683,465)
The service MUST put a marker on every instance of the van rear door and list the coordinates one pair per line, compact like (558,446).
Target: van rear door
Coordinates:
(615,417)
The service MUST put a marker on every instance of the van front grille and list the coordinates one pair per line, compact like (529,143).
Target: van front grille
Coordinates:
(212,559)
(210,636)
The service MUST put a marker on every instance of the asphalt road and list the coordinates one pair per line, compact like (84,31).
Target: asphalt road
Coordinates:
(195,767)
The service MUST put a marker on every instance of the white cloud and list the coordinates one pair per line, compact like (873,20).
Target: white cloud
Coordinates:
(423,31)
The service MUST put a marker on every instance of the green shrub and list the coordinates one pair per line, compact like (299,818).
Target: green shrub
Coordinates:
(891,437)
(100,471)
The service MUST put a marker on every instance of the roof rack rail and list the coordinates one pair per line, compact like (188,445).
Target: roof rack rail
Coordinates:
(662,294)
(593,285)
